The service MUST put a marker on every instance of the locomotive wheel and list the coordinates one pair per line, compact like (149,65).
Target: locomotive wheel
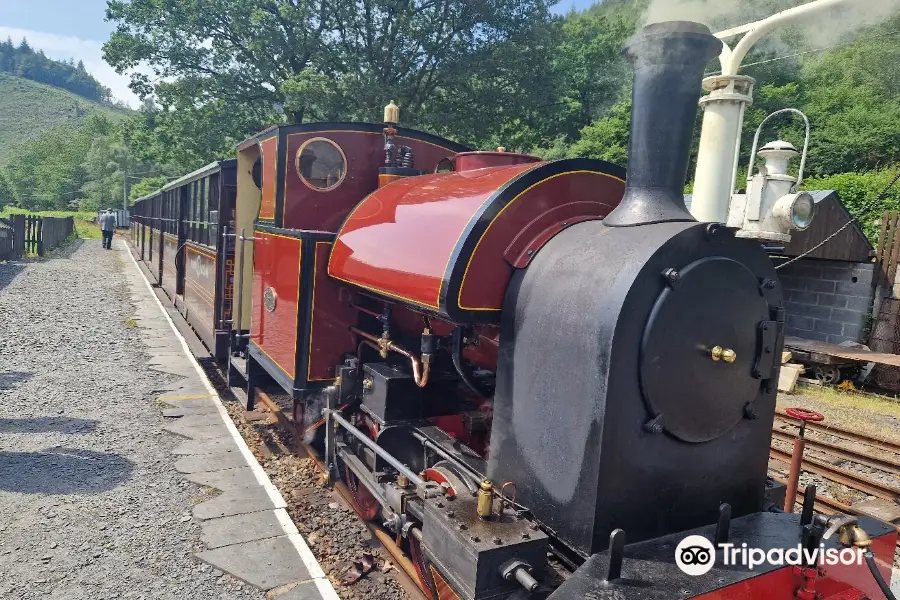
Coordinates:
(364,503)
(828,374)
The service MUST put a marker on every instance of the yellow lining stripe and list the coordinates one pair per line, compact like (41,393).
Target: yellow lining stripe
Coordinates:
(384,293)
(201,292)
(494,220)
(379,133)
(206,253)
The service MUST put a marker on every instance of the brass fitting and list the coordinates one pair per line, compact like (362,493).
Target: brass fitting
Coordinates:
(392,113)
(367,383)
(854,535)
(402,481)
(718,353)
(485,504)
(384,344)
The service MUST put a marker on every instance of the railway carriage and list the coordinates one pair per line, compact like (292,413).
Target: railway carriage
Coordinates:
(185,242)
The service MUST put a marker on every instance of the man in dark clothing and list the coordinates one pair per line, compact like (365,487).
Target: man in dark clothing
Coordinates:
(108,227)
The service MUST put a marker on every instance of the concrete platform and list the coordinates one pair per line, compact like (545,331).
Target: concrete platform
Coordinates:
(246,529)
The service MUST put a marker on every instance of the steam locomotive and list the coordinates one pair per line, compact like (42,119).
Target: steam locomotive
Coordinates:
(540,376)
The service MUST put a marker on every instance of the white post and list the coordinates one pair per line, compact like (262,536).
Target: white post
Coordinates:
(720,141)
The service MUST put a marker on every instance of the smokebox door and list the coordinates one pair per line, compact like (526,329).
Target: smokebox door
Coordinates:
(699,348)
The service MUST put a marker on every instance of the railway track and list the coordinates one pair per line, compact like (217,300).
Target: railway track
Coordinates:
(838,455)
(406,571)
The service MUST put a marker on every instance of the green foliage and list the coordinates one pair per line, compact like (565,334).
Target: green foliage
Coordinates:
(85,227)
(67,167)
(23,61)
(232,67)
(6,191)
(606,138)
(489,73)
(591,69)
(145,186)
(858,192)
(28,109)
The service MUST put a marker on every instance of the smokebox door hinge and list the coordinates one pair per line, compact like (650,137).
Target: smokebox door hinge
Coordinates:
(766,360)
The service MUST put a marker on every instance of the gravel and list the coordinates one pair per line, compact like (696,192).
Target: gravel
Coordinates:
(331,529)
(90,505)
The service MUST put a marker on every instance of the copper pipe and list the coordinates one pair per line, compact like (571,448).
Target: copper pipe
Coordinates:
(794,474)
(367,311)
(421,370)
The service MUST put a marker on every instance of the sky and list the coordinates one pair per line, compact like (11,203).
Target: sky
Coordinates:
(76,29)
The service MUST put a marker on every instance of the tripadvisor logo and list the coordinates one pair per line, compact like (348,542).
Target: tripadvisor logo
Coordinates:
(696,555)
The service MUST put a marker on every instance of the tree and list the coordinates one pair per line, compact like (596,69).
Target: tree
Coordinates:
(589,58)
(247,60)
(25,62)
(858,190)
(607,138)
(6,192)
(144,187)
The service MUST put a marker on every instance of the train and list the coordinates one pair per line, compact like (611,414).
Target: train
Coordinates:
(541,377)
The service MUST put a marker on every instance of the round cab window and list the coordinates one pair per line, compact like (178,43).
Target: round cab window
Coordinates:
(321,164)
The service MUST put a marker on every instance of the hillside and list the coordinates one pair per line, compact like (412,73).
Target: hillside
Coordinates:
(28,108)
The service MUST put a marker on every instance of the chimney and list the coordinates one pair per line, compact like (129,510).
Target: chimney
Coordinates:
(669,59)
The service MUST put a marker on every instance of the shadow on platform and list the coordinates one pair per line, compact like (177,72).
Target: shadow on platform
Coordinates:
(46,424)
(9,379)
(62,471)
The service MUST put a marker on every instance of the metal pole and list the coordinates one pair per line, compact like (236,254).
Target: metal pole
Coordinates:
(240,293)
(125,192)
(369,443)
(223,280)
(794,475)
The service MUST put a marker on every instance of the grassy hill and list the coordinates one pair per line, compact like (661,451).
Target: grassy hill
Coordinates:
(28,108)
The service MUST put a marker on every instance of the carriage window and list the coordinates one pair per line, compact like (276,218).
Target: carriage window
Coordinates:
(321,164)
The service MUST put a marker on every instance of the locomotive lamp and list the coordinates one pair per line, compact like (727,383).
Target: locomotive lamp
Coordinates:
(772,207)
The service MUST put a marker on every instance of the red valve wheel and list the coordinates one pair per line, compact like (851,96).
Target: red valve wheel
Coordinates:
(805,415)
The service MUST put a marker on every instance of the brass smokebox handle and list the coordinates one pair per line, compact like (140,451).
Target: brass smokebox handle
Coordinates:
(718,353)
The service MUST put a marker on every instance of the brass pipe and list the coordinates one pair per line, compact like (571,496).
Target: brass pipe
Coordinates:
(421,370)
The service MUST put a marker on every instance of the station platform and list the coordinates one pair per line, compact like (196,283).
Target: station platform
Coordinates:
(246,530)
(122,475)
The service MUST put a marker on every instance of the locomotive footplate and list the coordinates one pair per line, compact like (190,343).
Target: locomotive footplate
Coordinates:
(475,556)
(649,571)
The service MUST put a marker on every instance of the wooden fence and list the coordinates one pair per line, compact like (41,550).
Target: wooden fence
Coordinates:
(888,254)
(22,235)
(7,240)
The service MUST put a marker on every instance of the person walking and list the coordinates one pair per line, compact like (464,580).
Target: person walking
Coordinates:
(108,227)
